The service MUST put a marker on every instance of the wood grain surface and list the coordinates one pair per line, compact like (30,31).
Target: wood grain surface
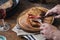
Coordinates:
(10,35)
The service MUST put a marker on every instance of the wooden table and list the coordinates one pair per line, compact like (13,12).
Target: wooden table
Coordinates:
(10,35)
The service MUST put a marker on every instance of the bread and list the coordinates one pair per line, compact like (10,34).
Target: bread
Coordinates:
(7,4)
(27,24)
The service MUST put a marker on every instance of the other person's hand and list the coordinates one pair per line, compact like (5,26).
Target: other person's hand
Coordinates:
(55,10)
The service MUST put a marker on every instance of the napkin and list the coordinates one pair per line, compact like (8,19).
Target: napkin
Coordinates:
(28,36)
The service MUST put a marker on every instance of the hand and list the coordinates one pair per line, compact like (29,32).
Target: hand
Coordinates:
(47,30)
(56,35)
(55,10)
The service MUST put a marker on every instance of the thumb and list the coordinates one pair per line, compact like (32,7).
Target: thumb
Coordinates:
(49,12)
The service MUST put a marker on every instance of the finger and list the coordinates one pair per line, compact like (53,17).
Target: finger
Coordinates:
(42,32)
(43,26)
(57,16)
(55,38)
(48,12)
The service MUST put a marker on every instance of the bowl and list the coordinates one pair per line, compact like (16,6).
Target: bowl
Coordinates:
(2,37)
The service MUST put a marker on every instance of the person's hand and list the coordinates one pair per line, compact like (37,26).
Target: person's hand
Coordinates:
(47,30)
(55,10)
(56,35)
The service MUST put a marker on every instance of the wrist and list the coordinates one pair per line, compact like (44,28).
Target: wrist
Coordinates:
(56,34)
(52,33)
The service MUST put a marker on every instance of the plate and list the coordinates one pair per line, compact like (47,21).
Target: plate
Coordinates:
(27,24)
(2,37)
